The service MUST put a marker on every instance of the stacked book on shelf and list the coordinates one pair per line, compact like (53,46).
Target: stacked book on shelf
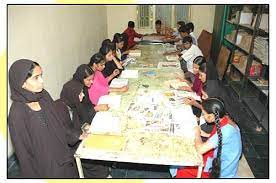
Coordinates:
(244,40)
(261,49)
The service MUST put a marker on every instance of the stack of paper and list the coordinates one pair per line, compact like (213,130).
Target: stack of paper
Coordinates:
(264,22)
(135,53)
(168,65)
(175,83)
(113,101)
(118,82)
(172,57)
(261,49)
(104,122)
(129,74)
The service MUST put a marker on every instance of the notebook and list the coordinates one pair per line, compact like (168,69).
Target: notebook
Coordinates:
(112,143)
(118,82)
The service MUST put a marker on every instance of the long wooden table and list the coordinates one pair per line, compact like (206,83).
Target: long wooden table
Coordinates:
(155,127)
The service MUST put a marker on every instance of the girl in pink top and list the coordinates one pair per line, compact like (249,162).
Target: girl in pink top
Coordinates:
(100,85)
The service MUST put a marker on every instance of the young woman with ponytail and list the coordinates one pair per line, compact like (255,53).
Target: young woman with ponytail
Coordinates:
(222,151)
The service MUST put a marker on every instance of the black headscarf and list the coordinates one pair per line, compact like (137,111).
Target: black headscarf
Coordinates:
(17,76)
(83,112)
(40,163)
(70,93)
(82,72)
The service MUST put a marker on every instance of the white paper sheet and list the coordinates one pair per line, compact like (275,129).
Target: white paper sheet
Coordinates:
(104,122)
(113,101)
(172,57)
(135,53)
(129,74)
(168,65)
(118,82)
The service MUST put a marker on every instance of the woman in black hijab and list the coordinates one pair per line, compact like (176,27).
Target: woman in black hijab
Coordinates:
(74,96)
(39,138)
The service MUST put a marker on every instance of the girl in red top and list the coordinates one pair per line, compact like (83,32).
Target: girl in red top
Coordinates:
(199,68)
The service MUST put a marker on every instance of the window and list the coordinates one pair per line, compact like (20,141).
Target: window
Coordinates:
(145,16)
(181,13)
(168,14)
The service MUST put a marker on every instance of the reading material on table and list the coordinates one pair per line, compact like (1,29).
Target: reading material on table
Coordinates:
(175,84)
(168,65)
(172,57)
(118,82)
(129,74)
(104,122)
(112,143)
(135,53)
(153,38)
(113,101)
(128,61)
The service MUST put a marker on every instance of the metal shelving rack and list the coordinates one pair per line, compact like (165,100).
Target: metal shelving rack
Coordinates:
(249,90)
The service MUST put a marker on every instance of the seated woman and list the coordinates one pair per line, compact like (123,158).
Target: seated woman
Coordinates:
(72,95)
(112,63)
(73,101)
(199,70)
(100,85)
(222,151)
(125,50)
(40,140)
(119,43)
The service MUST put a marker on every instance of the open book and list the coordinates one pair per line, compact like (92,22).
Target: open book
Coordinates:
(118,82)
(113,101)
(104,123)
(129,74)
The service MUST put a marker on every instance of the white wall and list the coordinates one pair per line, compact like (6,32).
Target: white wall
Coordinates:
(59,38)
(203,18)
(118,17)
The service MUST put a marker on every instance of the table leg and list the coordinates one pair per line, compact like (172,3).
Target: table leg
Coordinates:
(199,171)
(78,161)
